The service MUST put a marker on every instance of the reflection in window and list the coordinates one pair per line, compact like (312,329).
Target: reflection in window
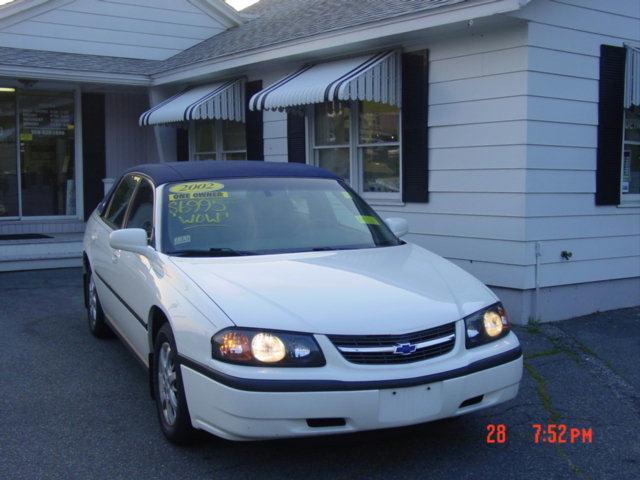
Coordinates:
(141,210)
(218,140)
(381,169)
(115,212)
(379,125)
(360,142)
(631,152)
(332,124)
(205,141)
(46,149)
(335,160)
(332,138)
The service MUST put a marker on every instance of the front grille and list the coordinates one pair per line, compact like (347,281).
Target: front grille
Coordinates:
(386,349)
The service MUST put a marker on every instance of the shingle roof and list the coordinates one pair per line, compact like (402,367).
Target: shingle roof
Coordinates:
(75,61)
(280,21)
(269,22)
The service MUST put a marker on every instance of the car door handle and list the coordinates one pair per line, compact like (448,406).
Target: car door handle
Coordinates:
(116,256)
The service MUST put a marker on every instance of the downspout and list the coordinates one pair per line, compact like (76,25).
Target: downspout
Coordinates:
(536,300)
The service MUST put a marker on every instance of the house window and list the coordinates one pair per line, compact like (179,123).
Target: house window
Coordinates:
(630,178)
(217,140)
(360,142)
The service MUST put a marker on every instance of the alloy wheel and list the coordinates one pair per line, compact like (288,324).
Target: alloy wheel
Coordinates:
(168,390)
(93,302)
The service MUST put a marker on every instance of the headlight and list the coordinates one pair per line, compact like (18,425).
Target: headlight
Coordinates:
(247,346)
(486,325)
(267,348)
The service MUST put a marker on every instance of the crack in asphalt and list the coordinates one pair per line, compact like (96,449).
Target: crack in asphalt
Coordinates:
(622,389)
(563,342)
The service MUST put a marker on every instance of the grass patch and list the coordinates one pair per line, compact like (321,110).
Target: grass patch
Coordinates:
(560,347)
(543,353)
(541,388)
(533,325)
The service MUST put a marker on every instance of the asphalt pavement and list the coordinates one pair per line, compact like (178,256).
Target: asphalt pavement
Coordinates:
(75,407)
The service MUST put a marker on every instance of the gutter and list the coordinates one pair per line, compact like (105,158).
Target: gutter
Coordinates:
(75,76)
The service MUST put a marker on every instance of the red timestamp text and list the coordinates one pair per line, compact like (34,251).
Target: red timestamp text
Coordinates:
(496,433)
(561,433)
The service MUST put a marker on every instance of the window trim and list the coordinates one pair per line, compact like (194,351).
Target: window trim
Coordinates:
(356,165)
(627,198)
(220,153)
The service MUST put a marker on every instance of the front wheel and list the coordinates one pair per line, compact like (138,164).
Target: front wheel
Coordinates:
(171,402)
(97,323)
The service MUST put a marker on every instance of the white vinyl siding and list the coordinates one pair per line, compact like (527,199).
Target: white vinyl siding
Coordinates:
(513,119)
(477,157)
(564,39)
(109,27)
(126,144)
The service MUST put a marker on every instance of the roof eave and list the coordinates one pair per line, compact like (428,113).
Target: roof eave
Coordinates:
(75,76)
(423,20)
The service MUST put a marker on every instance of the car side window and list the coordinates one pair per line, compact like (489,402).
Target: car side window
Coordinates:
(141,211)
(115,212)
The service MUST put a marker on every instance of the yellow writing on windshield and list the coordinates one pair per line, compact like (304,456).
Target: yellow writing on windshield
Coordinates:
(192,190)
(367,219)
(198,203)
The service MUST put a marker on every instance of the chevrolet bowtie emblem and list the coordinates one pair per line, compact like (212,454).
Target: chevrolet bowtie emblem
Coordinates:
(404,349)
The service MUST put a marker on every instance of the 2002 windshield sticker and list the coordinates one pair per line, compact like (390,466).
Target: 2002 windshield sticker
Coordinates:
(198,203)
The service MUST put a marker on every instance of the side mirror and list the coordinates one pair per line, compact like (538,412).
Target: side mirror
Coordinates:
(130,240)
(398,226)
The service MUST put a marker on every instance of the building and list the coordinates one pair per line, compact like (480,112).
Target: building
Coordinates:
(506,131)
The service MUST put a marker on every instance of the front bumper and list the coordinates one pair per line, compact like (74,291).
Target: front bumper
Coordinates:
(249,409)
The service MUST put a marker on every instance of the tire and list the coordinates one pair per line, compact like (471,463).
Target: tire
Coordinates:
(95,316)
(171,402)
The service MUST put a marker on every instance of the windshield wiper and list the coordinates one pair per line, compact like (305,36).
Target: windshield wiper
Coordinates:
(211,252)
(329,249)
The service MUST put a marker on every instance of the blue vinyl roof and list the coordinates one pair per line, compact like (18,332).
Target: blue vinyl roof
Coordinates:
(200,170)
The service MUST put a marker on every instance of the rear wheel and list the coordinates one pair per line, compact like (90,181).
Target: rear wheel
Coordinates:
(97,323)
(171,402)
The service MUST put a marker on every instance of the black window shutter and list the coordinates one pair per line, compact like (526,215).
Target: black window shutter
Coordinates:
(182,144)
(415,105)
(296,141)
(254,126)
(610,119)
(93,150)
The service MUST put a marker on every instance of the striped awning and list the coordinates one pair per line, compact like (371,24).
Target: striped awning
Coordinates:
(370,77)
(632,77)
(223,100)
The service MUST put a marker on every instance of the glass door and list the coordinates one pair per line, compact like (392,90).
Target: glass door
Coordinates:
(9,203)
(47,167)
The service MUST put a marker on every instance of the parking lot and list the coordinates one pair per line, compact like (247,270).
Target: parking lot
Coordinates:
(76,407)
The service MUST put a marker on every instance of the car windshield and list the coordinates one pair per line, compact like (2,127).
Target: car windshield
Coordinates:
(251,216)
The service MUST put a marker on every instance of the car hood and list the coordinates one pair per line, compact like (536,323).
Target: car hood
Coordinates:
(387,290)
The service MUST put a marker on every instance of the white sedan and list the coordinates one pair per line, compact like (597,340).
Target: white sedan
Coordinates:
(269,300)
